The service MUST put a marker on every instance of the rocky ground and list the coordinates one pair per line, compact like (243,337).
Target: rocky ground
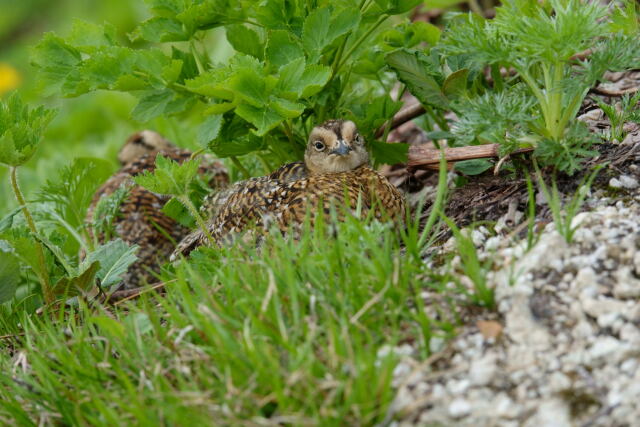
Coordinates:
(562,347)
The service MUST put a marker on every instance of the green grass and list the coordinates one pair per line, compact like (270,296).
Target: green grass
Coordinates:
(289,332)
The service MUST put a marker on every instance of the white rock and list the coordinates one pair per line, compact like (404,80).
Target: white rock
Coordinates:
(459,408)
(628,182)
(483,369)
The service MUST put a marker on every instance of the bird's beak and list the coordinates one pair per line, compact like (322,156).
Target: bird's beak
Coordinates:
(342,149)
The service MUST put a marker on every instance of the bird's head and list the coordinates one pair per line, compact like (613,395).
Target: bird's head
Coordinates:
(335,146)
(140,143)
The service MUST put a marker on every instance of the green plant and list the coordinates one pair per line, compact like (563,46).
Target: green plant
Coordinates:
(20,132)
(174,179)
(292,68)
(543,44)
(472,267)
(564,213)
(620,113)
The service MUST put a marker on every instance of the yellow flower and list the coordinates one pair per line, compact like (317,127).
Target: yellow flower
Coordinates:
(9,78)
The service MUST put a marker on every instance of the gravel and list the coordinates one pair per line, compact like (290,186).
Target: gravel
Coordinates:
(563,346)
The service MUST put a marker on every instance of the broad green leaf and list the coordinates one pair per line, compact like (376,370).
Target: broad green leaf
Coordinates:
(245,40)
(282,48)
(209,129)
(473,166)
(213,83)
(455,85)
(9,272)
(115,257)
(87,37)
(264,119)
(56,59)
(286,108)
(160,29)
(75,285)
(302,81)
(412,71)
(235,147)
(389,153)
(152,104)
(251,87)
(322,27)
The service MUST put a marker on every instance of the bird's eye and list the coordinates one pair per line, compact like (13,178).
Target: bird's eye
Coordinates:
(358,139)
(319,145)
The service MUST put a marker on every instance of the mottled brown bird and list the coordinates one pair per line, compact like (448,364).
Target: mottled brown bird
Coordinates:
(335,171)
(140,220)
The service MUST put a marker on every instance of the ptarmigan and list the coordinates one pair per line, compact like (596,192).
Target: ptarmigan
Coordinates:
(140,220)
(335,171)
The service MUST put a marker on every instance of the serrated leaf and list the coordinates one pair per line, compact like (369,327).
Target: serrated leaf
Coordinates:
(322,27)
(9,274)
(264,119)
(21,129)
(413,72)
(302,81)
(250,87)
(282,48)
(169,177)
(115,257)
(152,104)
(286,108)
(396,7)
(87,37)
(212,83)
(160,29)
(245,40)
(209,129)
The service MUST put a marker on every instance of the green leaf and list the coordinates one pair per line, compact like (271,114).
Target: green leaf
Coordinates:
(209,129)
(213,83)
(82,283)
(322,27)
(286,108)
(250,87)
(87,37)
(388,153)
(160,29)
(169,177)
(72,191)
(264,119)
(473,166)
(245,40)
(282,48)
(302,81)
(412,70)
(21,129)
(396,7)
(9,272)
(455,85)
(115,257)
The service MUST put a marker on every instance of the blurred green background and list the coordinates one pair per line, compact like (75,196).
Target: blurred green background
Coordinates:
(92,125)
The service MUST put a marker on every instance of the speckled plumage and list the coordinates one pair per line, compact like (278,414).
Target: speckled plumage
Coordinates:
(141,221)
(283,199)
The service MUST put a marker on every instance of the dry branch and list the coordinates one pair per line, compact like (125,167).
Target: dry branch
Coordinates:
(421,157)
(401,117)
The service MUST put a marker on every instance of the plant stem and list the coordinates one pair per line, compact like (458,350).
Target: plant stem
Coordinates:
(43,275)
(184,199)
(240,167)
